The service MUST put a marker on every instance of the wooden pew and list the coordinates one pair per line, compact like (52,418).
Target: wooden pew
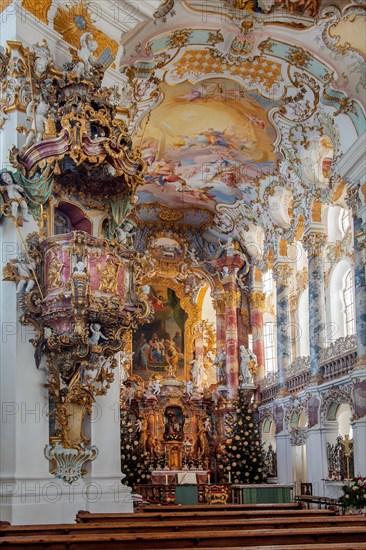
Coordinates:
(266,538)
(87,517)
(180,526)
(228,507)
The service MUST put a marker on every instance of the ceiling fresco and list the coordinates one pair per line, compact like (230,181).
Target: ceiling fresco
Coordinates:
(241,109)
(202,143)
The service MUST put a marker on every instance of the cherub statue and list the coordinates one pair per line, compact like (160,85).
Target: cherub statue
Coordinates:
(25,268)
(189,388)
(96,334)
(156,387)
(125,233)
(15,195)
(86,58)
(38,116)
(43,57)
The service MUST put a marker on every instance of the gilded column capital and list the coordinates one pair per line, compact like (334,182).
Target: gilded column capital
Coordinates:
(314,243)
(232,298)
(257,299)
(282,273)
(219,304)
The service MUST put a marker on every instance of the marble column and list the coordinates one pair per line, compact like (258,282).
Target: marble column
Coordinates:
(257,303)
(219,305)
(232,302)
(359,231)
(281,273)
(314,242)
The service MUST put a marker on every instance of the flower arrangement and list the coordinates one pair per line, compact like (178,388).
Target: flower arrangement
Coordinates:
(354,495)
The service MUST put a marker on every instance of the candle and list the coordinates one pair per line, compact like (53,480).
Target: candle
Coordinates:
(209,479)
(166,479)
(229,477)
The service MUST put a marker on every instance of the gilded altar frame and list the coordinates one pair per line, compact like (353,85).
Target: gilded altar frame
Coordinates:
(193,312)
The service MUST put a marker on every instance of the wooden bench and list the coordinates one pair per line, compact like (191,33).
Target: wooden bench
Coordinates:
(87,517)
(148,541)
(228,507)
(180,526)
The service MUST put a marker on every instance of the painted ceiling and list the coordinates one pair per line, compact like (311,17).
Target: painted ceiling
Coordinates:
(231,102)
(202,143)
(229,90)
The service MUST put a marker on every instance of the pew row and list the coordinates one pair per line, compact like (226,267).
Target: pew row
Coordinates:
(181,526)
(208,507)
(148,541)
(87,517)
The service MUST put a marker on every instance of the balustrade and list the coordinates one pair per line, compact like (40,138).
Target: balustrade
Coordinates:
(336,360)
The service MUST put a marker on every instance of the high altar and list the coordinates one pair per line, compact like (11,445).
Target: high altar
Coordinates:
(180,371)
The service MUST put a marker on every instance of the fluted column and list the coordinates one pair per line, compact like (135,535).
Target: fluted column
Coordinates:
(281,273)
(359,232)
(314,242)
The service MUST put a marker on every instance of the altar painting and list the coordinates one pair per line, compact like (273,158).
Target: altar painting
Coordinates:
(158,346)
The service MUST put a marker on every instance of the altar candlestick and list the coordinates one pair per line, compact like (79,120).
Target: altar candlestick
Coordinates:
(229,477)
(209,479)
(166,479)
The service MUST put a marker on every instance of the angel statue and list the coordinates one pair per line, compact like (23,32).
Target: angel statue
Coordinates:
(38,116)
(96,334)
(15,194)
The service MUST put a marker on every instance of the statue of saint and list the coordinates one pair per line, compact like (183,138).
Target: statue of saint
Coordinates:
(55,270)
(247,358)
(108,277)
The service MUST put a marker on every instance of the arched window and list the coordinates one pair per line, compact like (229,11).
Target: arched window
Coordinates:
(349,310)
(269,347)
(268,282)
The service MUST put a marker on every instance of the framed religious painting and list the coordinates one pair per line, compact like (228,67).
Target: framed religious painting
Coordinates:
(159,346)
